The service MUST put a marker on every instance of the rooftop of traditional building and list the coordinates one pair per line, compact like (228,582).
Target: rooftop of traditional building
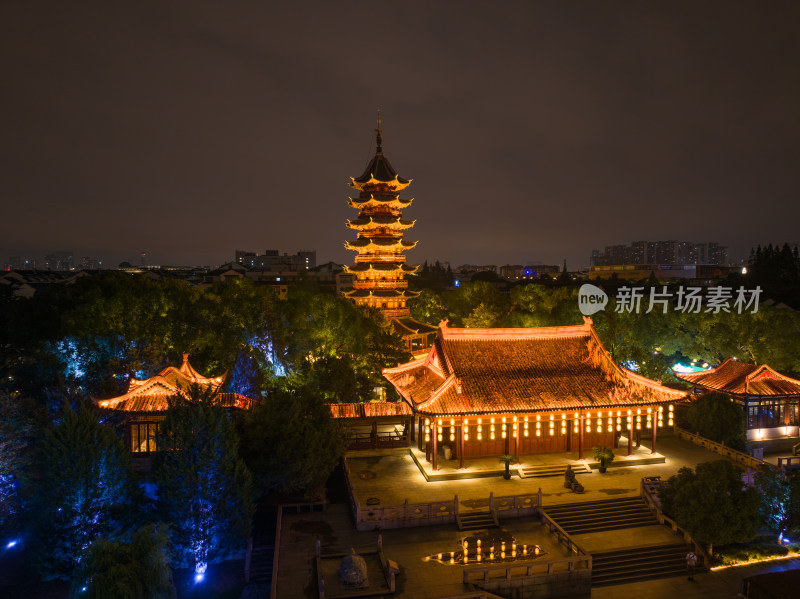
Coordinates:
(152,394)
(740,378)
(491,371)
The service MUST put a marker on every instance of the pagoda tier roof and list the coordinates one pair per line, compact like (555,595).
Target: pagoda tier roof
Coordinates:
(740,378)
(373,222)
(393,201)
(379,171)
(390,293)
(494,371)
(406,326)
(379,243)
(383,267)
(372,409)
(151,395)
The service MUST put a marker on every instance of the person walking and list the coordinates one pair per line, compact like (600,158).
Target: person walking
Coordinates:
(691,562)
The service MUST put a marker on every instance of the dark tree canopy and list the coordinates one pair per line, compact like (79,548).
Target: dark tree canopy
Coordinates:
(712,503)
(291,443)
(716,417)
(136,569)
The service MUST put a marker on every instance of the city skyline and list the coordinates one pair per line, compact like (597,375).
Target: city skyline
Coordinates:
(533,132)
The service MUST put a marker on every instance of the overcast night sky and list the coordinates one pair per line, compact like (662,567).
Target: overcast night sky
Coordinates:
(534,131)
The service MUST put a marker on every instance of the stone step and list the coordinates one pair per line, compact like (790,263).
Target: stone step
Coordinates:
(552,470)
(476,520)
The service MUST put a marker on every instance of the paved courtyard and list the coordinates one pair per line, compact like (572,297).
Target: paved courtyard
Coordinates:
(392,476)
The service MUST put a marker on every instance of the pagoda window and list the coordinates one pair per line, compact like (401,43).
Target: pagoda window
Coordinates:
(143,436)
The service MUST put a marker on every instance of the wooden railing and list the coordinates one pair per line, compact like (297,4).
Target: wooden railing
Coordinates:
(792,462)
(379,441)
(563,537)
(432,512)
(507,571)
(667,521)
(734,455)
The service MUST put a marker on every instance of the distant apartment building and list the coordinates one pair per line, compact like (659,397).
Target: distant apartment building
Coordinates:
(669,253)
(273,260)
(529,271)
(466,270)
(62,260)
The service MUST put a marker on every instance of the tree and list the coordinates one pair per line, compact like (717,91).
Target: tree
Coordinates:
(16,428)
(716,417)
(80,490)
(204,488)
(138,569)
(712,503)
(291,442)
(775,492)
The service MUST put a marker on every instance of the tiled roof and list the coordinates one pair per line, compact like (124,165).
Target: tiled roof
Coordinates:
(483,371)
(741,378)
(373,409)
(150,395)
(406,325)
(158,402)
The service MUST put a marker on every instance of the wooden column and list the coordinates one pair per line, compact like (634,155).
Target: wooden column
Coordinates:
(516,440)
(655,428)
(461,448)
(638,438)
(420,433)
(434,438)
(410,425)
(580,437)
(630,437)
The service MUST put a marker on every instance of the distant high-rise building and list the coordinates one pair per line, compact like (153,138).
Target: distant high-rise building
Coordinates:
(62,260)
(669,252)
(275,261)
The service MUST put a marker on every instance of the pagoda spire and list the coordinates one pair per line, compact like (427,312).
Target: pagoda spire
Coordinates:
(378,138)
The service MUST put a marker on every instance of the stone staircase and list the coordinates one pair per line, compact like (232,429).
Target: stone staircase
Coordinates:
(639,563)
(261,564)
(553,470)
(476,520)
(596,516)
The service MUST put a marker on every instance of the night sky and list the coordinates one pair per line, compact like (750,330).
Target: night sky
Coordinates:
(534,131)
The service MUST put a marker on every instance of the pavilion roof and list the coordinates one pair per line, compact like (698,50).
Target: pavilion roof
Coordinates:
(151,395)
(740,378)
(405,326)
(490,371)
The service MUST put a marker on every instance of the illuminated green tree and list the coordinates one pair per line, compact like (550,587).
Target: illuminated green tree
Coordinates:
(80,490)
(204,488)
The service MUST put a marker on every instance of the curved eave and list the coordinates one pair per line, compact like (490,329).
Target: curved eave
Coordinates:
(379,223)
(397,183)
(365,244)
(393,202)
(384,293)
(382,268)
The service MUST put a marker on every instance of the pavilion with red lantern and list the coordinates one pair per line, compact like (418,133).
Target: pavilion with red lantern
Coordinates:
(514,391)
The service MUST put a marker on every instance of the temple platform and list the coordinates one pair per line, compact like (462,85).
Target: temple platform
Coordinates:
(485,467)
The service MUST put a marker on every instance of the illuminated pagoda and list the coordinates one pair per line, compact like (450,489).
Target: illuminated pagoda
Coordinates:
(380,269)
(147,399)
(770,400)
(491,392)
